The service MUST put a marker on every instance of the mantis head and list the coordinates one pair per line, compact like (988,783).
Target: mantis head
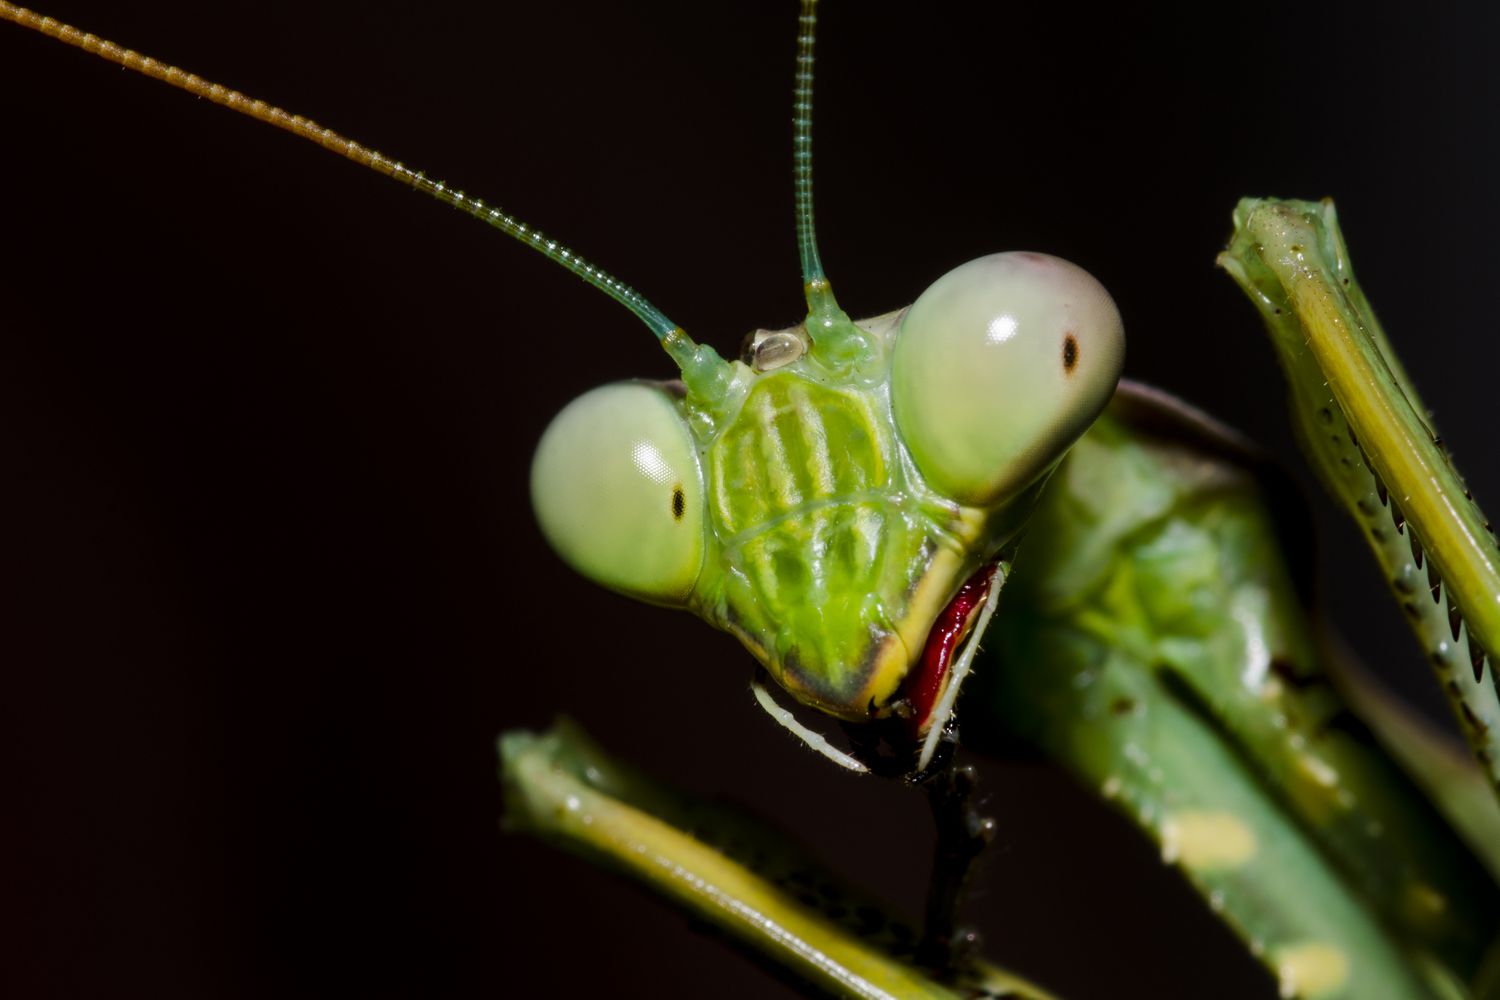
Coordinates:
(840,498)
(845,499)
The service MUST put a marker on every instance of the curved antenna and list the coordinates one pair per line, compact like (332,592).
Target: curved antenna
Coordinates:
(703,370)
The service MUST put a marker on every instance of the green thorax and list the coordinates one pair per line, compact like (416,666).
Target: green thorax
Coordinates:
(1153,642)
(828,554)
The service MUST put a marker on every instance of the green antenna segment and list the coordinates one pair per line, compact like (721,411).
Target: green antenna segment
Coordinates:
(704,372)
(837,339)
(538,241)
(802,108)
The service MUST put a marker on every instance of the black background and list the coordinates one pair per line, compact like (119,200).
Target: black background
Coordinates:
(271,581)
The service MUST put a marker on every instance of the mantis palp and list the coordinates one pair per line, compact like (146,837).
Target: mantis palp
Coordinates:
(225,397)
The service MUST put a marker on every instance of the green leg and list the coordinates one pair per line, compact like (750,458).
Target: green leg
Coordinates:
(1150,641)
(721,867)
(1371,439)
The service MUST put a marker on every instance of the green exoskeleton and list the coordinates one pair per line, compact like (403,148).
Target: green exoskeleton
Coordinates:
(1148,693)
(848,500)
(827,498)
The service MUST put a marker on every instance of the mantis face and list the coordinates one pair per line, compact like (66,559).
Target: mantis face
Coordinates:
(63,180)
(829,506)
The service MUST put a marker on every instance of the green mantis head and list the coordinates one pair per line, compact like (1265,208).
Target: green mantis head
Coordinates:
(843,498)
(827,510)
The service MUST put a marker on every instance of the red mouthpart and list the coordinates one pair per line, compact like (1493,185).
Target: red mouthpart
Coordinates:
(925,685)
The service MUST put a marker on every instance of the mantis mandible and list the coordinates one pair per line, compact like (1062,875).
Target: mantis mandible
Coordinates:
(252,404)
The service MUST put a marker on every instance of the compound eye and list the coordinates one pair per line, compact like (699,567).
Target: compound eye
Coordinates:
(617,489)
(999,366)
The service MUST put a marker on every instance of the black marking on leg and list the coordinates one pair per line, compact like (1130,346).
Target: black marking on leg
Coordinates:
(1351,725)
(1398,518)
(1416,549)
(1285,669)
(1474,721)
(1455,619)
(1380,492)
(1476,658)
(1434,582)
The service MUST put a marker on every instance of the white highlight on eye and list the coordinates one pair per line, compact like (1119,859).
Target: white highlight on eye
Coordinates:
(648,459)
(981,388)
(1001,329)
(602,484)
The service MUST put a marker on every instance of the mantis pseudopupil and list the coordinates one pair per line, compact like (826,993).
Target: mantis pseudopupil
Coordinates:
(268,405)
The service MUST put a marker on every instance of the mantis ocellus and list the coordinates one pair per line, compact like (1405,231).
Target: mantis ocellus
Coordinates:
(341,345)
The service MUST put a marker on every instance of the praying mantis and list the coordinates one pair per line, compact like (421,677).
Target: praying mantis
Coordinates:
(177,433)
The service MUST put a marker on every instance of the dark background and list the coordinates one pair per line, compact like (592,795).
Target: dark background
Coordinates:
(271,584)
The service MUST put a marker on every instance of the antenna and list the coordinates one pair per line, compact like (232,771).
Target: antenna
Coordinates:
(827,325)
(704,372)
(802,180)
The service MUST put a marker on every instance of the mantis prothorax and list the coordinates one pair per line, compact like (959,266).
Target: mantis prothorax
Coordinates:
(99,216)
